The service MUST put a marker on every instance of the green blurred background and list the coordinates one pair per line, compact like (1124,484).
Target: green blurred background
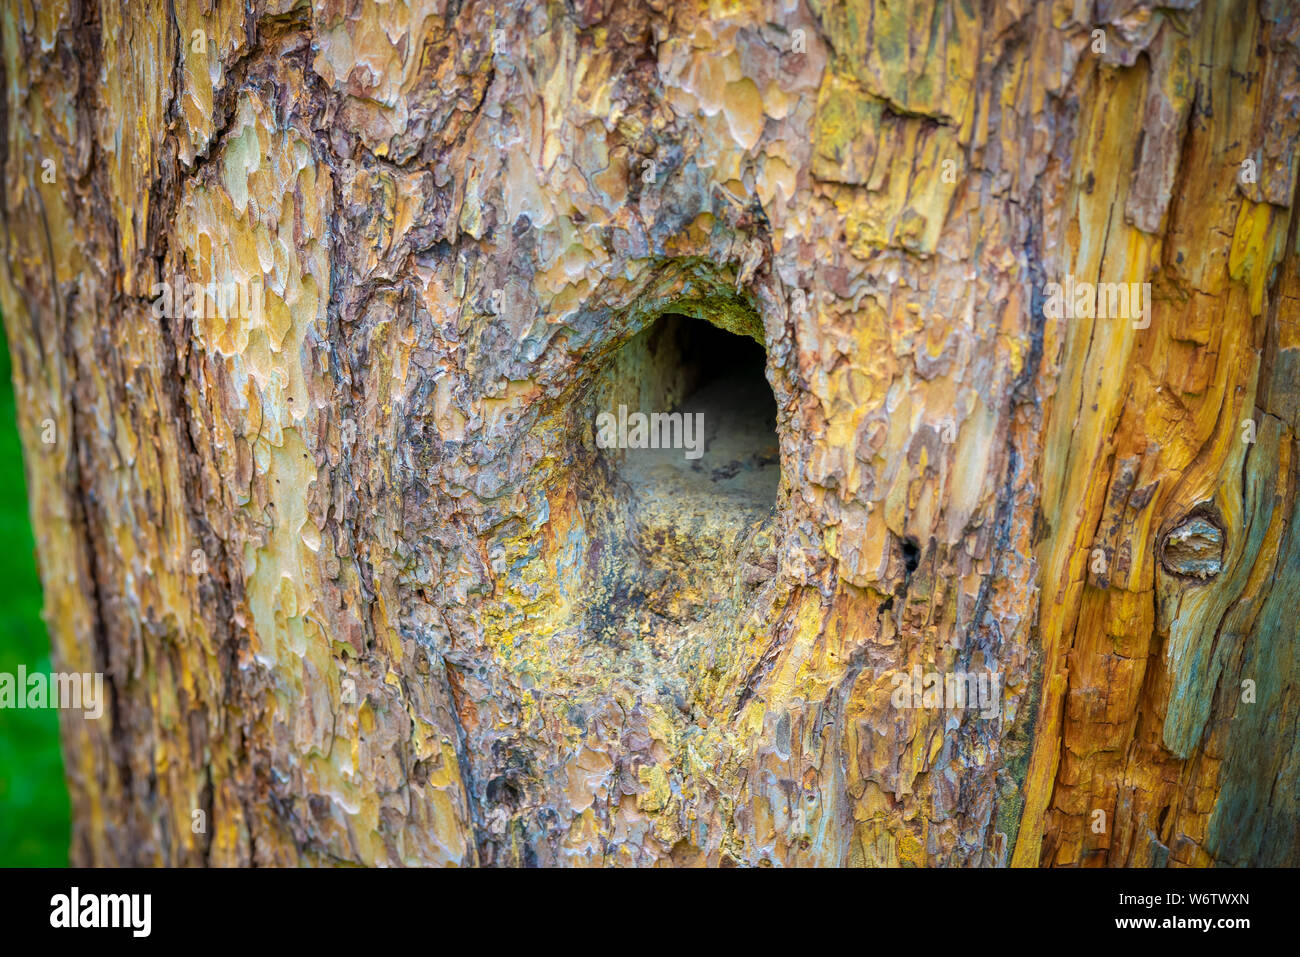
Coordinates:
(34,816)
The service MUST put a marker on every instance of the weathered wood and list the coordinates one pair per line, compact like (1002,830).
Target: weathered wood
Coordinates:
(364,587)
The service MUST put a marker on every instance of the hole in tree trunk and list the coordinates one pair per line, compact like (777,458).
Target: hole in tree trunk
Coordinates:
(911,554)
(677,463)
(686,418)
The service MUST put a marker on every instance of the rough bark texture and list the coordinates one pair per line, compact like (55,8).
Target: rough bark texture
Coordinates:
(365,592)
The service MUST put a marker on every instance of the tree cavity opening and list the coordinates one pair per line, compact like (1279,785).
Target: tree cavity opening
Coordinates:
(685,417)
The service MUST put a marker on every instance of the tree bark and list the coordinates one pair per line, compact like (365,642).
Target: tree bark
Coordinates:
(364,590)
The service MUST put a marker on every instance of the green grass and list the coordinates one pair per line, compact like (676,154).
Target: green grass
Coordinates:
(34,814)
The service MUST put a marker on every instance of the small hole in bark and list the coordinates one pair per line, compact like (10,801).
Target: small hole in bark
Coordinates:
(911,554)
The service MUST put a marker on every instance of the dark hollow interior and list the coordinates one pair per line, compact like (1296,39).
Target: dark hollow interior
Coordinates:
(690,366)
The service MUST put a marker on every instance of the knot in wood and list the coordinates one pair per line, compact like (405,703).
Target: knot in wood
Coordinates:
(1194,549)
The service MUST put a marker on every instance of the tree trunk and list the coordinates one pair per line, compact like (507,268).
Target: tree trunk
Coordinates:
(315,311)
